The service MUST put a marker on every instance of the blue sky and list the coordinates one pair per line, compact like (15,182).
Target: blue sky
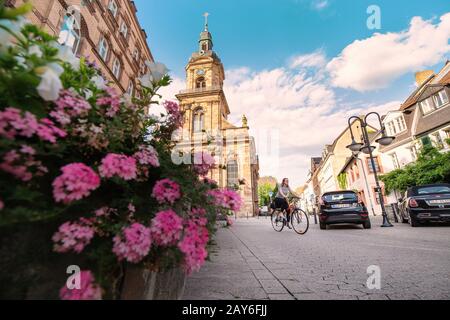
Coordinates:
(350,67)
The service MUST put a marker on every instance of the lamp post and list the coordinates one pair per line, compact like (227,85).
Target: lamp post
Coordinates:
(366,148)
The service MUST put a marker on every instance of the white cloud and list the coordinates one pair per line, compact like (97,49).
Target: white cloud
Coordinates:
(316,59)
(375,62)
(320,4)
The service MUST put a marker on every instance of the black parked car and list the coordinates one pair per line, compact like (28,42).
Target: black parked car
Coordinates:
(342,207)
(426,203)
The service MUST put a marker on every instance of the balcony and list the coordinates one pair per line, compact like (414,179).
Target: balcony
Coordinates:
(201,90)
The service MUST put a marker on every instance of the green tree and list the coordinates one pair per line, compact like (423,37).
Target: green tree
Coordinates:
(432,166)
(342,179)
(263,193)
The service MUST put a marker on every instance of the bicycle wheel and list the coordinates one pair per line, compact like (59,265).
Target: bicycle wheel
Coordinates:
(277,221)
(300,221)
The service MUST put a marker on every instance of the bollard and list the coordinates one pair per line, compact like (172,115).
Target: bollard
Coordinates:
(315,216)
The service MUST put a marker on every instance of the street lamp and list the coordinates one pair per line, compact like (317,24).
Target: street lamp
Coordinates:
(366,148)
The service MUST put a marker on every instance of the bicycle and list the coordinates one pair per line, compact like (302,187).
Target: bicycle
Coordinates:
(299,218)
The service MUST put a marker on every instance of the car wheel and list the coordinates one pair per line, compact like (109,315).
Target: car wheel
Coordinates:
(367,224)
(323,226)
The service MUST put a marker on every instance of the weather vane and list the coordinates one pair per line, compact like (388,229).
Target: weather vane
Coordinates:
(206,14)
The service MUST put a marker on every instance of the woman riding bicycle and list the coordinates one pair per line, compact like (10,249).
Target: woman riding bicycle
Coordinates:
(281,198)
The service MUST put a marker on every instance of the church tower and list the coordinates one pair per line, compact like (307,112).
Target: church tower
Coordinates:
(206,111)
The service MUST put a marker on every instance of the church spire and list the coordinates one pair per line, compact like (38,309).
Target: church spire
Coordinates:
(206,14)
(205,42)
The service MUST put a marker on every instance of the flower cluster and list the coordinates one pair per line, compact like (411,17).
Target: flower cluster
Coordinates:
(147,155)
(69,105)
(175,115)
(2,205)
(166,228)
(22,163)
(111,100)
(203,162)
(88,289)
(166,190)
(76,182)
(226,198)
(94,135)
(73,236)
(133,244)
(193,245)
(13,124)
(118,165)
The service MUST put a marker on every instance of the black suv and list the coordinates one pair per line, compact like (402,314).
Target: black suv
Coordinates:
(342,207)
(426,203)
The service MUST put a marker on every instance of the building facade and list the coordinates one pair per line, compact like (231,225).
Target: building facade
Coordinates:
(206,126)
(106,32)
(424,118)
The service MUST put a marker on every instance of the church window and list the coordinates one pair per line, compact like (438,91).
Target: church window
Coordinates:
(198,120)
(232,173)
(200,83)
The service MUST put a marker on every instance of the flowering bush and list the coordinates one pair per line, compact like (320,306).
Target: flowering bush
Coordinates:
(77,154)
(88,290)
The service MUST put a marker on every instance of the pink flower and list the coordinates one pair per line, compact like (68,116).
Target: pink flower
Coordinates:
(76,182)
(203,163)
(22,163)
(133,244)
(88,290)
(198,212)
(226,198)
(166,190)
(69,105)
(12,123)
(120,165)
(173,110)
(47,131)
(73,237)
(2,205)
(166,228)
(147,155)
(193,246)
(111,100)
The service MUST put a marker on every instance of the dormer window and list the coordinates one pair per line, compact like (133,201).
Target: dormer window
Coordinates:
(113,8)
(434,102)
(440,99)
(396,126)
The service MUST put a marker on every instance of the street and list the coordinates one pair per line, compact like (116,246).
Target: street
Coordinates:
(252,261)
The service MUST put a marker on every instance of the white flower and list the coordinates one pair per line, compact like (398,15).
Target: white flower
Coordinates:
(66,54)
(99,82)
(157,70)
(147,80)
(35,50)
(6,38)
(50,85)
(87,94)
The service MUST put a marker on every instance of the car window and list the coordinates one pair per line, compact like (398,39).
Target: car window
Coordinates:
(432,190)
(340,196)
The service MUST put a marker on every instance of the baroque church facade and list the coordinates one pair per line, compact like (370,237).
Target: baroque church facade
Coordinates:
(206,126)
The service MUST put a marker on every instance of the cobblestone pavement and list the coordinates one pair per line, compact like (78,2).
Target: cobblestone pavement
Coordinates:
(252,261)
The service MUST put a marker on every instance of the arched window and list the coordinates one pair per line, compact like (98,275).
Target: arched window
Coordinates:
(103,48)
(117,68)
(198,120)
(70,34)
(200,83)
(232,173)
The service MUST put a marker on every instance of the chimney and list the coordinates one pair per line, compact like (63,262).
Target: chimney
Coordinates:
(422,76)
